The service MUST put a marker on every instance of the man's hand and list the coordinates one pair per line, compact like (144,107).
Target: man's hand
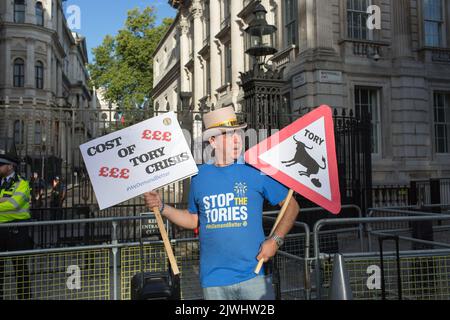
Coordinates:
(153,200)
(268,250)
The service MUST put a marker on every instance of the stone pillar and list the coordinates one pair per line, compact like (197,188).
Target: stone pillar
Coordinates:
(237,49)
(184,52)
(30,12)
(323,24)
(30,63)
(48,69)
(9,64)
(401,29)
(197,12)
(310,24)
(214,52)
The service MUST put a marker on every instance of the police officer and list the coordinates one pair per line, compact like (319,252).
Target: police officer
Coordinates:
(14,208)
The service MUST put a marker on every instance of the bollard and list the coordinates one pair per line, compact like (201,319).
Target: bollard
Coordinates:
(340,281)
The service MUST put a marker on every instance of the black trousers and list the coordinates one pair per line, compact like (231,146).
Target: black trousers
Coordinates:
(16,239)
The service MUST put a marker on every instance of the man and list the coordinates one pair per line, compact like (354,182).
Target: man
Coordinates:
(58,195)
(226,202)
(14,208)
(37,191)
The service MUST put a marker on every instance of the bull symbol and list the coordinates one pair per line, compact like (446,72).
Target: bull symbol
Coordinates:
(303,158)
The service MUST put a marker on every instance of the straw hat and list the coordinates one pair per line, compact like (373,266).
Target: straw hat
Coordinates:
(220,121)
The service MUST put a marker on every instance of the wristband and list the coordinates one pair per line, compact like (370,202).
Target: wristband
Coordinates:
(162,207)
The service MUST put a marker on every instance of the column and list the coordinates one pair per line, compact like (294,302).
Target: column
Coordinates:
(401,28)
(183,29)
(237,48)
(324,24)
(29,69)
(197,12)
(8,79)
(48,69)
(30,12)
(215,63)
(310,24)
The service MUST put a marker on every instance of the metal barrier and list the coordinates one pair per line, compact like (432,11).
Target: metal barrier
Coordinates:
(358,262)
(104,271)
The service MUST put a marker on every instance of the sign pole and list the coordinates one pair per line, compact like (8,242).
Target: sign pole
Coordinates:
(167,246)
(280,216)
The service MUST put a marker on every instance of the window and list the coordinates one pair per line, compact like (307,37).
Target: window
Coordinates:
(366,100)
(39,14)
(225,11)
(290,21)
(433,22)
(37,133)
(442,122)
(19,11)
(227,63)
(39,75)
(19,132)
(207,78)
(206,29)
(357,19)
(19,73)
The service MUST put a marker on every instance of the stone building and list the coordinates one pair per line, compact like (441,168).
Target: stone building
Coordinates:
(44,91)
(397,67)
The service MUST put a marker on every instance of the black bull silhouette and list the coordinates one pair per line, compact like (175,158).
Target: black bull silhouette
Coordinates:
(303,158)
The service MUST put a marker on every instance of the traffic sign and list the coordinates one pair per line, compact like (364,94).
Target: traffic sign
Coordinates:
(302,156)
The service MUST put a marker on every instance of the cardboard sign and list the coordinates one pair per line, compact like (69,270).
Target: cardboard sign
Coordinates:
(135,160)
(302,156)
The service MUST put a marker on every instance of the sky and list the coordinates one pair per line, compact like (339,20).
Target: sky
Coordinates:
(99,18)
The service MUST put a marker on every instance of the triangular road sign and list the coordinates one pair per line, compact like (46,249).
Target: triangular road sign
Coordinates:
(302,156)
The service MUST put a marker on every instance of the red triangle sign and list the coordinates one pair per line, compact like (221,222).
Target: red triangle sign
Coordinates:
(302,156)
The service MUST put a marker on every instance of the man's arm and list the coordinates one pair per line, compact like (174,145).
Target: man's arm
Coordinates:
(269,247)
(179,217)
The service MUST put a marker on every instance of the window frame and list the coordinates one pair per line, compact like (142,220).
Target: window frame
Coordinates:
(228,63)
(39,74)
(441,25)
(350,11)
(19,73)
(376,142)
(39,15)
(22,5)
(19,132)
(291,23)
(37,132)
(445,124)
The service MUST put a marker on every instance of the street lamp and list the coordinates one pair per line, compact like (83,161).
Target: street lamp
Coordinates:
(260,36)
(262,86)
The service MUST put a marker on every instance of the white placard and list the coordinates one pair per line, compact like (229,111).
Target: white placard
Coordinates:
(146,156)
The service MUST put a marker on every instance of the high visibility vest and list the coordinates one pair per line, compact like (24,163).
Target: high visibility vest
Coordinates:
(15,199)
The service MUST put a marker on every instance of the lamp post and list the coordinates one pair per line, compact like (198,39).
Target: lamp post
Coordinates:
(261,85)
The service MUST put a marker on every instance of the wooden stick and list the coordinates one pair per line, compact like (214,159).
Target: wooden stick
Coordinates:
(280,216)
(167,246)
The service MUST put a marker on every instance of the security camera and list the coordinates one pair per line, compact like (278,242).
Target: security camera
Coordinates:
(376,57)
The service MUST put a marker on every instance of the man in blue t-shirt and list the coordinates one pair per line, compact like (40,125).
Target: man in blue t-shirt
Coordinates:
(226,201)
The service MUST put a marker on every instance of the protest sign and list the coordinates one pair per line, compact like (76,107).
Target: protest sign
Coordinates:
(143,157)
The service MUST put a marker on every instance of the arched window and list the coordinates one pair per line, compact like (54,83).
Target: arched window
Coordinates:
(19,11)
(37,133)
(19,132)
(39,14)
(39,75)
(19,73)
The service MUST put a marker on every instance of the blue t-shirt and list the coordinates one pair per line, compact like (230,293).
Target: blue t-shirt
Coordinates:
(229,201)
